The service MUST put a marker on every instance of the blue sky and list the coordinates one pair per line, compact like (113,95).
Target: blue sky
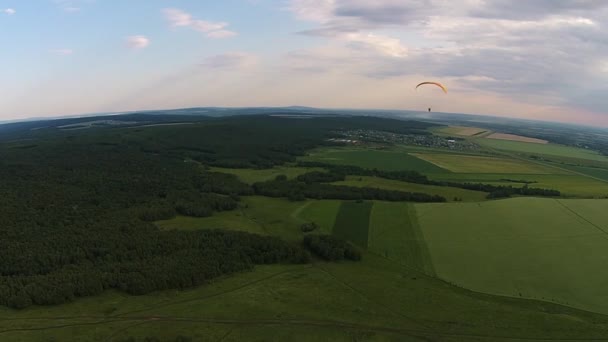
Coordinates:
(541,59)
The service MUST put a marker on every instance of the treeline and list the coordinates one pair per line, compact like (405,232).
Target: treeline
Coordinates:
(494,191)
(137,261)
(331,248)
(296,190)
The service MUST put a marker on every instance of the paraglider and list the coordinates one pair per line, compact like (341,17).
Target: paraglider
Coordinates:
(445,90)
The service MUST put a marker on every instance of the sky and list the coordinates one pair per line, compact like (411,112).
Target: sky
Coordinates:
(534,59)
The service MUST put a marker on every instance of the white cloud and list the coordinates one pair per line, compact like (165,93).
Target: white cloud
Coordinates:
(385,45)
(9,11)
(137,42)
(62,52)
(544,52)
(179,18)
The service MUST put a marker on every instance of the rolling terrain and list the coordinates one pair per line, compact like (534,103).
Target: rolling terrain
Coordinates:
(468,268)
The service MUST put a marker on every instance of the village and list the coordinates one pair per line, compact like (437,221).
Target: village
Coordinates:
(432,141)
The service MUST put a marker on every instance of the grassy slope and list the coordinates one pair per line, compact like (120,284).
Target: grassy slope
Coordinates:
(545,149)
(394,234)
(536,248)
(447,192)
(322,213)
(479,164)
(391,160)
(332,302)
(352,222)
(374,300)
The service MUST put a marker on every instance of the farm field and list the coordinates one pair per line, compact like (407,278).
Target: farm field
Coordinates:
(480,164)
(513,137)
(322,212)
(251,176)
(394,234)
(352,222)
(569,184)
(319,301)
(542,149)
(591,171)
(390,160)
(337,302)
(462,131)
(550,250)
(447,192)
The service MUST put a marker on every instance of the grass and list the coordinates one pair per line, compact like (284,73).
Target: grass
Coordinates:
(545,249)
(447,192)
(352,222)
(252,175)
(381,298)
(479,164)
(390,160)
(325,301)
(261,215)
(322,213)
(542,149)
(571,185)
(590,171)
(395,235)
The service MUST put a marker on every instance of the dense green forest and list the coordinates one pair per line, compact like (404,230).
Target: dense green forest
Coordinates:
(78,206)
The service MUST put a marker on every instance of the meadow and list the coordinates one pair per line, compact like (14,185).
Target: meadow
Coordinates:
(571,185)
(352,222)
(448,192)
(542,149)
(480,164)
(544,249)
(389,160)
(320,301)
(394,234)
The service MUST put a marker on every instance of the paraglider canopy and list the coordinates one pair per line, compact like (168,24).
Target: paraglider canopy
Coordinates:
(445,90)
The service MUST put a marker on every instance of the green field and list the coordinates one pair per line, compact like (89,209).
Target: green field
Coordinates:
(479,164)
(352,222)
(590,171)
(542,149)
(572,185)
(394,234)
(252,175)
(262,215)
(322,213)
(448,192)
(382,298)
(390,160)
(320,302)
(545,249)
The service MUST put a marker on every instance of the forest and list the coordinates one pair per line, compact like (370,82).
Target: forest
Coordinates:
(78,206)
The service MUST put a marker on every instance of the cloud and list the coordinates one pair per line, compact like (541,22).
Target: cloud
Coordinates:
(137,42)
(62,52)
(179,18)
(9,11)
(543,52)
(230,60)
